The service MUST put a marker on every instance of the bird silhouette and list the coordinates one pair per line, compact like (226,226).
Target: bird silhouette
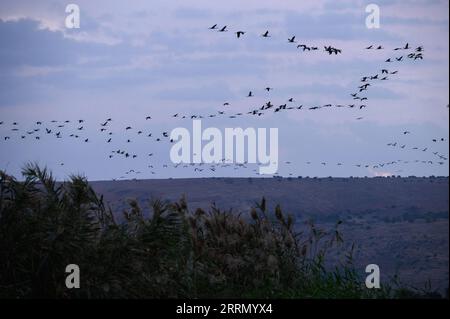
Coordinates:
(332,50)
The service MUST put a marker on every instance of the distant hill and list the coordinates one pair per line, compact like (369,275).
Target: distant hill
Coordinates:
(401,224)
(308,196)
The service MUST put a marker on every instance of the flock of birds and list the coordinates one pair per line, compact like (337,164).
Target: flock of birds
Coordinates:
(240,34)
(358,100)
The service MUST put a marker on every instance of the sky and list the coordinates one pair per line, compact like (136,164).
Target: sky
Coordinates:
(134,59)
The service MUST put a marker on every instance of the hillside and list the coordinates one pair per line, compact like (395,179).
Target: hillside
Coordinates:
(401,224)
(313,197)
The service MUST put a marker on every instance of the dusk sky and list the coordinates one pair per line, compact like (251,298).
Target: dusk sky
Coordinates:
(133,59)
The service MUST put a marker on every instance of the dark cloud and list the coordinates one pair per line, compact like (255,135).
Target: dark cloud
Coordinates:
(24,44)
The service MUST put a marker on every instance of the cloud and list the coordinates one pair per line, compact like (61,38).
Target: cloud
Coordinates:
(128,61)
(379,173)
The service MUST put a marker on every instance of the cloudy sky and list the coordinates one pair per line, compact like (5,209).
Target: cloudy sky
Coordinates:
(133,59)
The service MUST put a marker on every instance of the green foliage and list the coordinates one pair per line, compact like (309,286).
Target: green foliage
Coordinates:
(168,252)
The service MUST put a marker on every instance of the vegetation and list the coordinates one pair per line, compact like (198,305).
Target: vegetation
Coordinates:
(169,252)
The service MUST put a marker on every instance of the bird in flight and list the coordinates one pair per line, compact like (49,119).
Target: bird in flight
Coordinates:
(332,50)
(266,34)
(304,46)
(239,34)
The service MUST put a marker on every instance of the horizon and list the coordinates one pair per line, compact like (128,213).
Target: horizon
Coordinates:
(136,179)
